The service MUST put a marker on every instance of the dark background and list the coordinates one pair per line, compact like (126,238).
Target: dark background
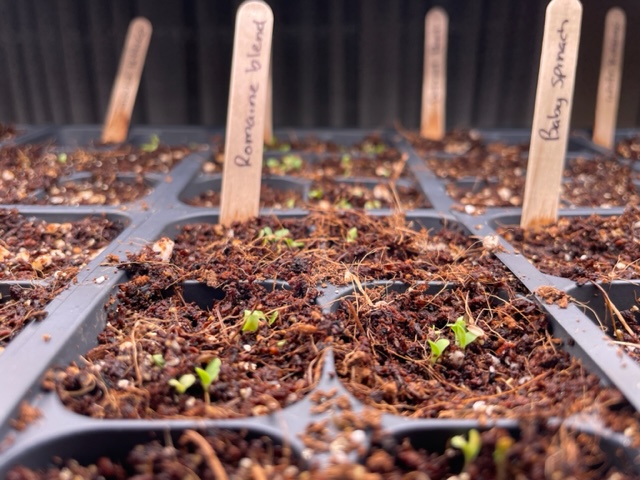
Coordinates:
(335,63)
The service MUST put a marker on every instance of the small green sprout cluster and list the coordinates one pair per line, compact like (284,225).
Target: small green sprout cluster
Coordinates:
(437,348)
(280,235)
(152,145)
(346,164)
(286,164)
(252,319)
(352,235)
(464,334)
(207,376)
(62,157)
(316,194)
(470,447)
(373,149)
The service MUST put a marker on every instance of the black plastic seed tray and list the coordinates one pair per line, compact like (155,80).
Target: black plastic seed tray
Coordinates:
(77,315)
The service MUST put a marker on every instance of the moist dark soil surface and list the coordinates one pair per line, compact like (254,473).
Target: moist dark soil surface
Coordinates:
(32,249)
(192,456)
(323,245)
(456,142)
(154,334)
(152,314)
(540,452)
(595,248)
(38,174)
(326,194)
(513,368)
(498,180)
(629,148)
(370,158)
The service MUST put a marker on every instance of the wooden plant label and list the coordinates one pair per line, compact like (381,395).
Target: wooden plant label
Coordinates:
(610,77)
(125,87)
(552,113)
(434,81)
(268,111)
(246,113)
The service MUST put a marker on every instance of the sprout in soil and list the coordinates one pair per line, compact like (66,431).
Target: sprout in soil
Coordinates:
(352,235)
(500,456)
(437,348)
(208,375)
(62,157)
(252,318)
(273,163)
(343,204)
(158,360)
(373,149)
(286,164)
(346,164)
(470,448)
(280,235)
(152,145)
(464,336)
(290,202)
(316,194)
(372,204)
(183,383)
(291,163)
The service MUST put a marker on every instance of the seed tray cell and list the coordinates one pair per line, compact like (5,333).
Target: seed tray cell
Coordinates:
(344,273)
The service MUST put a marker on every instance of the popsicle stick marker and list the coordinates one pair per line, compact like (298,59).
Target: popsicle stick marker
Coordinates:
(125,86)
(552,113)
(608,97)
(268,111)
(240,195)
(434,80)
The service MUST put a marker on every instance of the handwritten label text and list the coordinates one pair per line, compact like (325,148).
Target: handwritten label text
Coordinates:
(554,121)
(254,65)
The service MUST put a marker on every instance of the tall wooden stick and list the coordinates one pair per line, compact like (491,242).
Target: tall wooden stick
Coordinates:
(125,86)
(434,81)
(554,99)
(246,113)
(604,127)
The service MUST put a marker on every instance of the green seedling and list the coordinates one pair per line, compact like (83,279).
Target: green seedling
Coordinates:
(343,204)
(62,157)
(208,375)
(346,163)
(372,204)
(158,360)
(501,457)
(183,383)
(291,163)
(316,193)
(280,235)
(252,318)
(273,163)
(285,147)
(437,348)
(352,235)
(152,145)
(373,149)
(470,447)
(290,203)
(463,336)
(286,164)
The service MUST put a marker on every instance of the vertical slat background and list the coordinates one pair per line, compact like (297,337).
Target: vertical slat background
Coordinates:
(335,63)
